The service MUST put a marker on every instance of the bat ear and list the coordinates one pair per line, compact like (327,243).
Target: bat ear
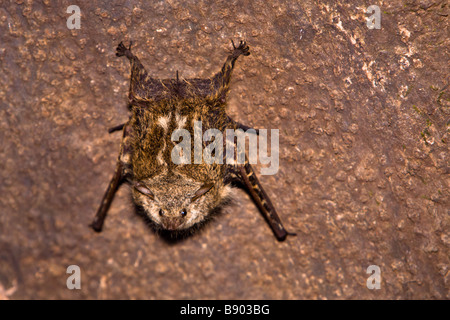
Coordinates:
(203,189)
(144,190)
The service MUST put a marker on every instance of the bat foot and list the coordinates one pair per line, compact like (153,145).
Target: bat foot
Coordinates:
(121,50)
(242,49)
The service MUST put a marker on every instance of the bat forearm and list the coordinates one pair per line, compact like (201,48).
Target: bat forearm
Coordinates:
(99,219)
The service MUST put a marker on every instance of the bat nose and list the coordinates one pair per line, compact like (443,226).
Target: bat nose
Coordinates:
(171,223)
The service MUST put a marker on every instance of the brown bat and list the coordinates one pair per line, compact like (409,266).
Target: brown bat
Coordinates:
(179,196)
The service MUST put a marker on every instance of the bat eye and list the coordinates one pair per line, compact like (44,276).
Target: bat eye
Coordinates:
(161,212)
(144,190)
(183,212)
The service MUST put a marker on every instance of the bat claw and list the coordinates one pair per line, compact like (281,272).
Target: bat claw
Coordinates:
(124,51)
(242,49)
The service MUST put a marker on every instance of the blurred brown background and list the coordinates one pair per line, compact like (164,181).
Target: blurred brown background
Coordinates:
(364,149)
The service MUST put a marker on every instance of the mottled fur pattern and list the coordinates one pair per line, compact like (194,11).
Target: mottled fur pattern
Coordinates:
(179,196)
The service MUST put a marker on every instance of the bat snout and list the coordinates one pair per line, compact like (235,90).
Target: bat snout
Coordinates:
(172,223)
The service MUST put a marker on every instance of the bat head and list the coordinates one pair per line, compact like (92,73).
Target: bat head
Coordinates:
(176,203)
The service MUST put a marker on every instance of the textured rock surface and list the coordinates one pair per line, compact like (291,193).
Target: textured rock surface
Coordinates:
(364,149)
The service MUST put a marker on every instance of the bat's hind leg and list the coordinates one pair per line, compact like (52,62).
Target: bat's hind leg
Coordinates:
(221,80)
(136,66)
(140,80)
